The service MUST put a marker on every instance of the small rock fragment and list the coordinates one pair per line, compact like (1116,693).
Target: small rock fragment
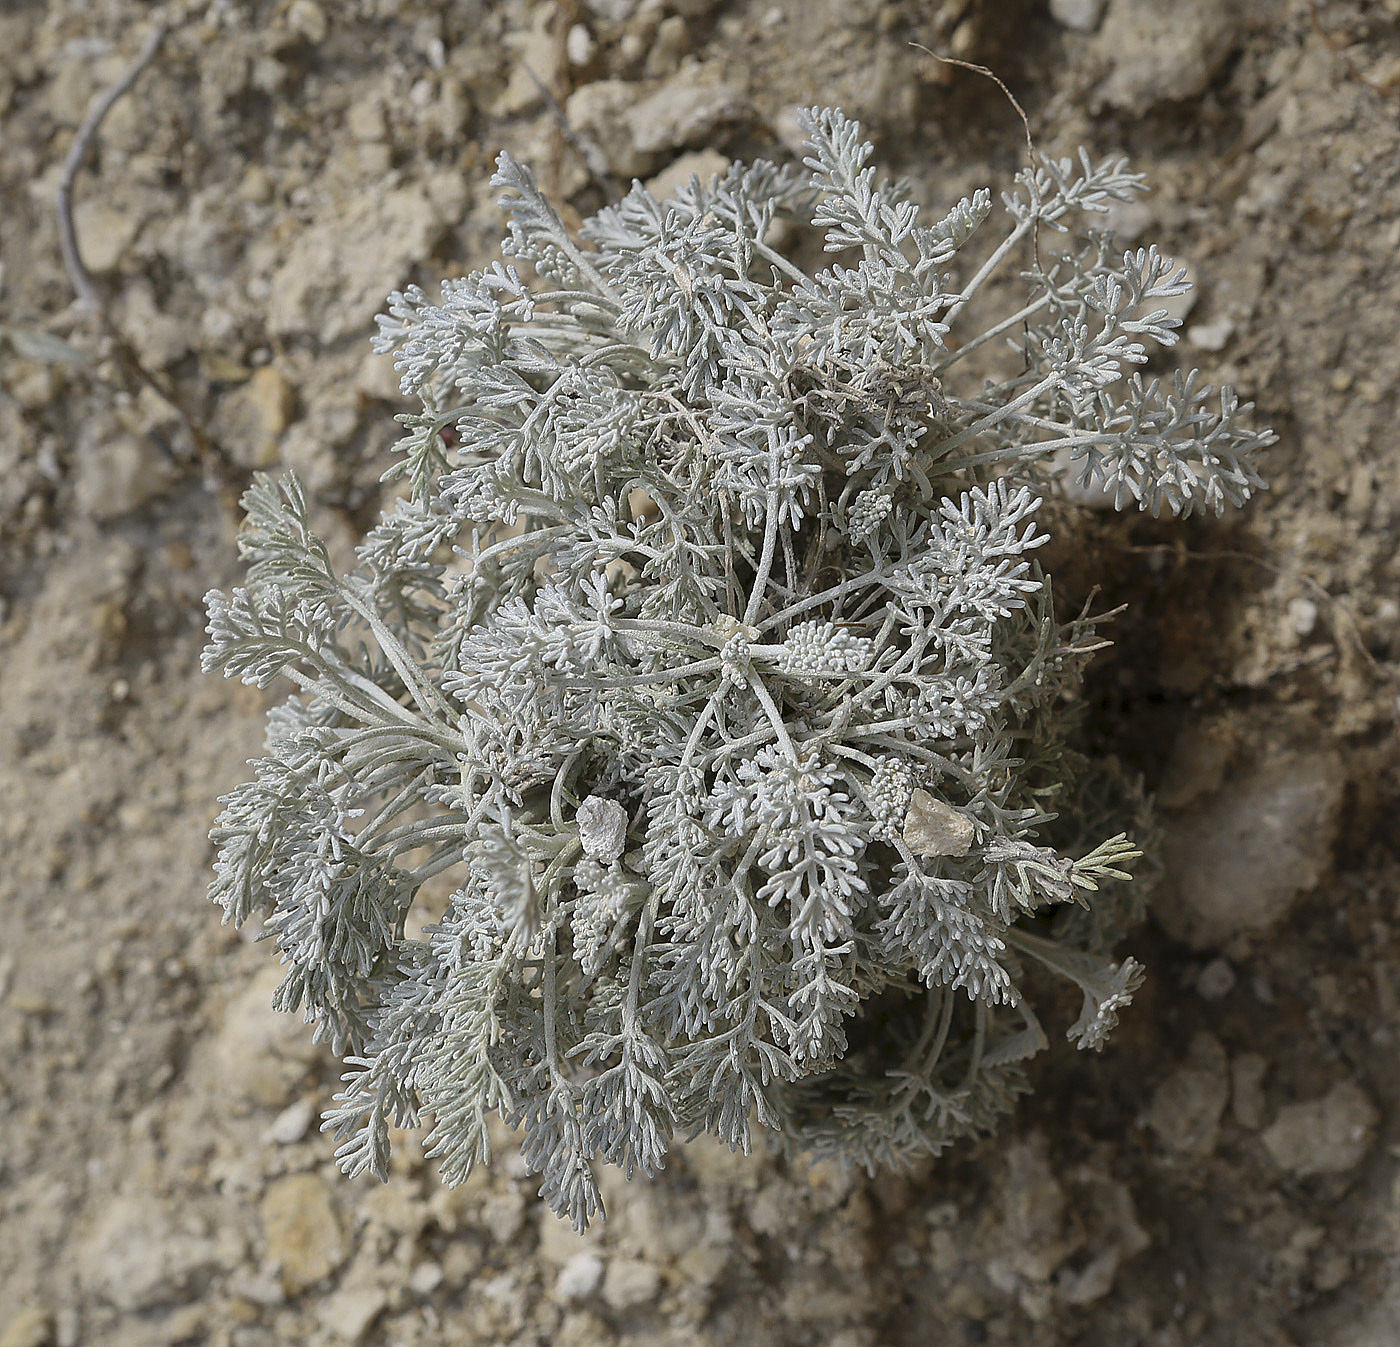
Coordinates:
(1302,616)
(1215,980)
(136,1259)
(119,474)
(274,399)
(377,378)
(602,828)
(533,66)
(1081,15)
(1032,1236)
(682,113)
(366,122)
(579,45)
(314,445)
(454,107)
(29,1328)
(105,232)
(932,828)
(579,1277)
(597,112)
(289,1126)
(703,164)
(502,1215)
(307,19)
(256,186)
(260,1056)
(1237,859)
(1330,1135)
(671,42)
(425,1278)
(349,1313)
(1107,1212)
(642,506)
(333,276)
(1128,221)
(630,1282)
(1186,1107)
(250,420)
(1212,336)
(159,338)
(302,1231)
(1163,53)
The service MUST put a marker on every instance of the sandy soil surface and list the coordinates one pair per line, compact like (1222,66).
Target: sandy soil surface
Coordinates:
(1224,1174)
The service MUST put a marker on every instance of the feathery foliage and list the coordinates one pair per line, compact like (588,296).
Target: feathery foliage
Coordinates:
(707,652)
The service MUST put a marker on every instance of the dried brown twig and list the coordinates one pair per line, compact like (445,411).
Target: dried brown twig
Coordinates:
(90,298)
(1025,124)
(555,94)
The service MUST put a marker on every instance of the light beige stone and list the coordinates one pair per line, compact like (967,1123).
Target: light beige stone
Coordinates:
(104,232)
(349,1314)
(630,1282)
(681,113)
(261,1057)
(1238,859)
(932,828)
(29,1328)
(302,1231)
(1330,1135)
(119,475)
(1187,1106)
(137,1257)
(703,164)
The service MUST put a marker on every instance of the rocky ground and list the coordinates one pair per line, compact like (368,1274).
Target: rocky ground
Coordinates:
(1224,1174)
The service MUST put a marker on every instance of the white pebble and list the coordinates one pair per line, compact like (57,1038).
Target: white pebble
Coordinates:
(579,45)
(1081,15)
(1215,980)
(579,1277)
(1213,336)
(425,1278)
(289,1126)
(1302,615)
(1330,1135)
(602,828)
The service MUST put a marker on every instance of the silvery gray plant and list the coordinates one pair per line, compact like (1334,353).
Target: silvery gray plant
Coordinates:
(704,657)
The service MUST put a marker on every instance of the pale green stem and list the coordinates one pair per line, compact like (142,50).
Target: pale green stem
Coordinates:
(682,631)
(826,596)
(765,561)
(648,679)
(634,980)
(944,447)
(907,660)
(519,540)
(793,273)
(1036,450)
(701,721)
(986,269)
(429,700)
(991,334)
(556,810)
(770,709)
